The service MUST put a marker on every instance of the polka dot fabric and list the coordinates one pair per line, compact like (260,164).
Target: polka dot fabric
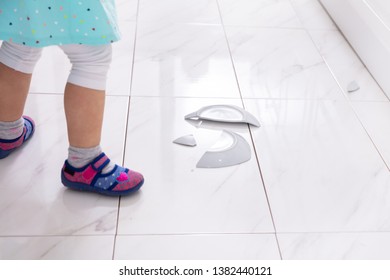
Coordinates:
(39,23)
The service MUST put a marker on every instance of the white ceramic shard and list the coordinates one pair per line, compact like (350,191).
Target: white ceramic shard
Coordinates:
(223,113)
(187,140)
(230,149)
(353,86)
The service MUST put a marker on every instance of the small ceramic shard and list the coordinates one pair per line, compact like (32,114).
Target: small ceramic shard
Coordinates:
(187,140)
(353,86)
(230,149)
(223,113)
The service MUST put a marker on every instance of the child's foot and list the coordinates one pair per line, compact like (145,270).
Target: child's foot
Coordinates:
(119,181)
(8,146)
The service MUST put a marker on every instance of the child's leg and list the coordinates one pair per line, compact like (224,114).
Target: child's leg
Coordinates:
(84,109)
(14,86)
(17,63)
(84,101)
(85,93)
(87,168)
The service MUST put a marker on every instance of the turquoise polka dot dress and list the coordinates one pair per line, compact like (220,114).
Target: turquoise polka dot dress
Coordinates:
(40,23)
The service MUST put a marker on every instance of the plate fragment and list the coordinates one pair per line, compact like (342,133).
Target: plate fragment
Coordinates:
(230,149)
(223,113)
(353,86)
(187,140)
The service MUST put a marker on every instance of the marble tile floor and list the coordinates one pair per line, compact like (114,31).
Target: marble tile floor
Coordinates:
(316,187)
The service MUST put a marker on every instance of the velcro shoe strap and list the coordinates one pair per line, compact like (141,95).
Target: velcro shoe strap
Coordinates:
(100,162)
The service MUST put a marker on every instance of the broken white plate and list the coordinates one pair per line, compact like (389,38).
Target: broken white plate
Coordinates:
(353,86)
(223,113)
(230,149)
(187,140)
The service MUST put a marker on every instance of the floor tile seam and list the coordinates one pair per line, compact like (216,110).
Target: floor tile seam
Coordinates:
(203,234)
(196,234)
(123,161)
(163,22)
(332,232)
(137,234)
(55,235)
(219,97)
(185,97)
(280,28)
(127,123)
(370,101)
(241,98)
(250,130)
(200,24)
(184,23)
(232,98)
(341,99)
(265,191)
(62,94)
(263,27)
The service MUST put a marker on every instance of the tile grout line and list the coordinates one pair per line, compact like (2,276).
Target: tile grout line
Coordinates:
(250,131)
(127,126)
(341,88)
(230,52)
(196,234)
(265,191)
(217,97)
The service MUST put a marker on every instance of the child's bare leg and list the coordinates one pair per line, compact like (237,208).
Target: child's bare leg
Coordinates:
(87,168)
(14,88)
(84,101)
(16,67)
(84,110)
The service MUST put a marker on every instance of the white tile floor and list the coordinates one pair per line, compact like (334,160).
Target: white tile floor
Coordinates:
(317,185)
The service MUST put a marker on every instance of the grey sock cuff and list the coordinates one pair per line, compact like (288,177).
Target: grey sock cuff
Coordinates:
(11,130)
(79,157)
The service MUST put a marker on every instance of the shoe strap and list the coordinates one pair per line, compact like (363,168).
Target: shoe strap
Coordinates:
(100,162)
(29,127)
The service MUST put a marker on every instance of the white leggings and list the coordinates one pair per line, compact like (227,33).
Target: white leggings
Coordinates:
(90,64)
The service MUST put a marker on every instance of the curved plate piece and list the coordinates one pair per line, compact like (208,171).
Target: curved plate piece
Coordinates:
(223,113)
(187,140)
(353,86)
(230,149)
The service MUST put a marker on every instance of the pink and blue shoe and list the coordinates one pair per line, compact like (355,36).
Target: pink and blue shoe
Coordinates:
(9,146)
(120,181)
